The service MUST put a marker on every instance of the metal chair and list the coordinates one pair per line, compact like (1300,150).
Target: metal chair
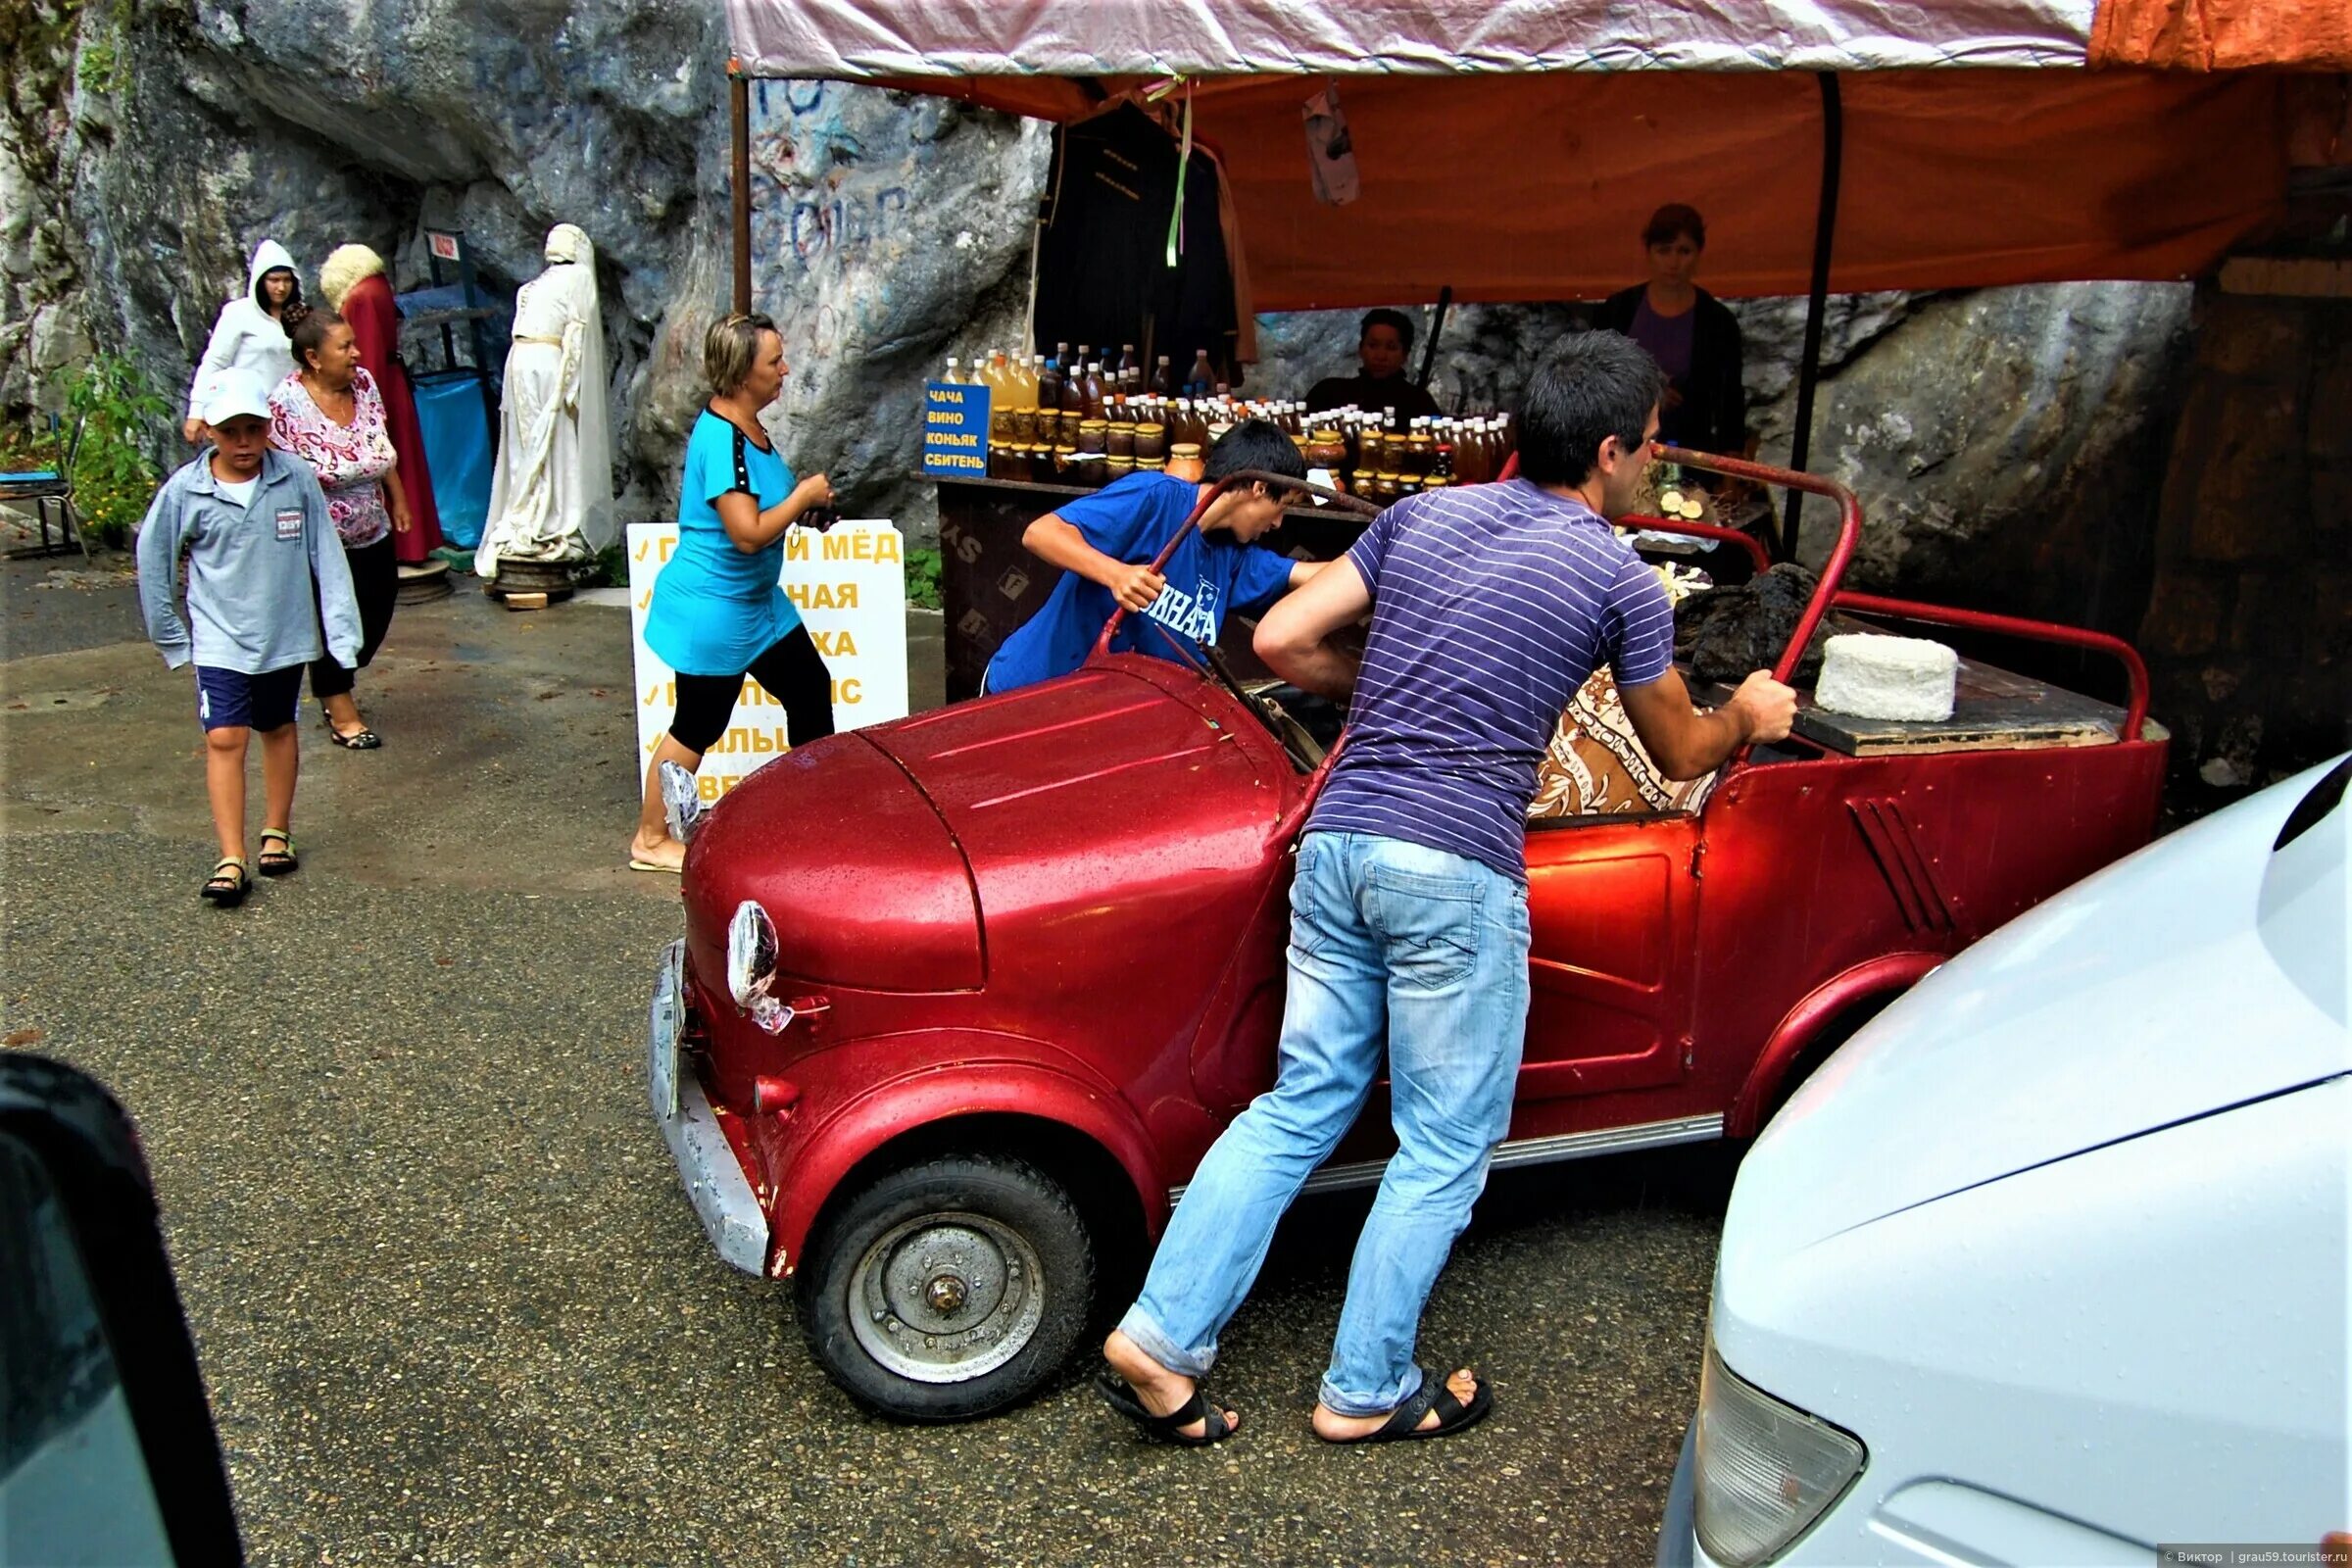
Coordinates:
(51,492)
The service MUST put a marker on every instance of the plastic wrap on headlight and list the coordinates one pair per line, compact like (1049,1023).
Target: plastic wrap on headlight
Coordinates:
(750,952)
(1766,1470)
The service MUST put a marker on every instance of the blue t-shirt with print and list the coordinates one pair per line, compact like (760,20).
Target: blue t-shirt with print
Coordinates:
(1210,577)
(715,607)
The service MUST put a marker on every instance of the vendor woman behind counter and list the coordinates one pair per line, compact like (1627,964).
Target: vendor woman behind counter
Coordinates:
(1383,344)
(1105,543)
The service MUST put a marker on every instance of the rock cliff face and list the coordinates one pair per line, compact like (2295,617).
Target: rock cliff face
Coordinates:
(147,150)
(2008,445)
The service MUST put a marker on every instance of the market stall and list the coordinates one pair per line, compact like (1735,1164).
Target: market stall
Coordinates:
(1499,152)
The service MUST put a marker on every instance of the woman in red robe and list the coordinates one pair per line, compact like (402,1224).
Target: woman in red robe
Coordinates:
(354,282)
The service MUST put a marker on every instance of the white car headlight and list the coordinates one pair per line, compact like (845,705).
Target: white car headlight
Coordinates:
(1766,1470)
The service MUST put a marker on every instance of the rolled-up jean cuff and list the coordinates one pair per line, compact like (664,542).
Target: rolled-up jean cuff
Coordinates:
(1154,1342)
(1339,1403)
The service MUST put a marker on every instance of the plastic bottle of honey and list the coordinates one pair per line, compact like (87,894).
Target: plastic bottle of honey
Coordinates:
(1048,384)
(1199,379)
(1073,388)
(1162,382)
(1129,373)
(1093,390)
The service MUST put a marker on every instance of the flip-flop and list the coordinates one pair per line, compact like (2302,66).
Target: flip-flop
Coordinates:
(224,891)
(1199,1408)
(278,862)
(635,865)
(1405,1422)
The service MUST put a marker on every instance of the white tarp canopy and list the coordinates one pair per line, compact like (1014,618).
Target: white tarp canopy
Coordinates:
(860,39)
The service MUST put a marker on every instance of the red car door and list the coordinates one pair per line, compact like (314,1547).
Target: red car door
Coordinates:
(1612,910)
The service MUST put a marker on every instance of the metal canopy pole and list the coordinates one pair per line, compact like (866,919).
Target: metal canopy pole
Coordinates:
(739,102)
(1824,231)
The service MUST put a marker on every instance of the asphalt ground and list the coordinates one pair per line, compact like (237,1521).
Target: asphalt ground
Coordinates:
(451,1301)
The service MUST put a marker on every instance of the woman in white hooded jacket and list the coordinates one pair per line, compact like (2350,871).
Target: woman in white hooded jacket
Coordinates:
(247,336)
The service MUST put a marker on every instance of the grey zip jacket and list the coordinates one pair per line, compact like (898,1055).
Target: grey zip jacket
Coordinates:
(251,603)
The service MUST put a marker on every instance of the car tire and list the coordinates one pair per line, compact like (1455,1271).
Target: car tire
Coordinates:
(949,1289)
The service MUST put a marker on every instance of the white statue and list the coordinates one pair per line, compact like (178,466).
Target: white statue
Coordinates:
(551,495)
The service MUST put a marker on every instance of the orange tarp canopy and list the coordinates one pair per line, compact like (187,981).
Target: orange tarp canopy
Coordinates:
(1512,148)
(1536,186)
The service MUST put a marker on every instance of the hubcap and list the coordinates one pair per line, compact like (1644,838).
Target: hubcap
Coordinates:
(947,1298)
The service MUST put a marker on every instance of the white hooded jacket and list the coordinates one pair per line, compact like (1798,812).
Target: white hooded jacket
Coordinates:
(246,336)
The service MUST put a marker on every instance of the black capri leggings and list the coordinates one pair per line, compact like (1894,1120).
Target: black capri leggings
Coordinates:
(794,673)
(376,584)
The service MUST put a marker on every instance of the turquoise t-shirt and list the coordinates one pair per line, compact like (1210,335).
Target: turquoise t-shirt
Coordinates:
(717,608)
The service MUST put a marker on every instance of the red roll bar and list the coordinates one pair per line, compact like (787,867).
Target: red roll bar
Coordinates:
(2136,672)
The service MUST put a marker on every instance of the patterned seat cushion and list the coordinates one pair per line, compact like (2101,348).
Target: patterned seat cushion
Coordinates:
(1596,765)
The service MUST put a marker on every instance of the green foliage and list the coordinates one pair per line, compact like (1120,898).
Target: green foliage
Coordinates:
(112,479)
(102,68)
(607,569)
(922,577)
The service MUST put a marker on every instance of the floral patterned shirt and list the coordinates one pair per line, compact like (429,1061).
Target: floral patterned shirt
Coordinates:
(352,459)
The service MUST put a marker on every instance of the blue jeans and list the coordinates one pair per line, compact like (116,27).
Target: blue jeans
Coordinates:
(1390,943)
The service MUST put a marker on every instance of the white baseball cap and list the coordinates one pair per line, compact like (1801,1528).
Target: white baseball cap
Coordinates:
(234,392)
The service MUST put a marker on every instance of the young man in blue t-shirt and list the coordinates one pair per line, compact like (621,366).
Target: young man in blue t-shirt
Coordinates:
(1409,933)
(1105,543)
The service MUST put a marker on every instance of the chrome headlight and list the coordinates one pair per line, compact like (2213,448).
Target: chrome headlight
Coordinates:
(752,952)
(1766,1470)
(681,802)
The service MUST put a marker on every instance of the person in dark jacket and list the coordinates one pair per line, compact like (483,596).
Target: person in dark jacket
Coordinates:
(1689,333)
(1382,344)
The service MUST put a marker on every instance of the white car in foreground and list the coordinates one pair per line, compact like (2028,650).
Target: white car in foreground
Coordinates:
(2049,1263)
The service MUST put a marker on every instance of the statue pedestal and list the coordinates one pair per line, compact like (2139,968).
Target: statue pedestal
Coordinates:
(515,577)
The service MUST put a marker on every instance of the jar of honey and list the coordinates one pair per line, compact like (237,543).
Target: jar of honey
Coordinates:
(1117,466)
(1184,461)
(1094,436)
(1020,426)
(1119,439)
(1151,444)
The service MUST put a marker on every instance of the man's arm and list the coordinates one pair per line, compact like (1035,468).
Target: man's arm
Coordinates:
(1303,572)
(1293,637)
(1686,744)
(1060,543)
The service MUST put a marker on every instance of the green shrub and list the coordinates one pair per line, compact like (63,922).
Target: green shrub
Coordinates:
(114,479)
(922,577)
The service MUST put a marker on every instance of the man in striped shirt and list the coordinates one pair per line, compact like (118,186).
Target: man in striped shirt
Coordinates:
(1491,605)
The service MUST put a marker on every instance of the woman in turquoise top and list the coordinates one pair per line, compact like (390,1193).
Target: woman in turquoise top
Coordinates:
(719,611)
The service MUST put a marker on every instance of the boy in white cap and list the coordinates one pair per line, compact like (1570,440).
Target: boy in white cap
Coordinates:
(264,567)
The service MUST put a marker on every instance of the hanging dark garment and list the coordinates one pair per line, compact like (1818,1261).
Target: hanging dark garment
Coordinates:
(1101,267)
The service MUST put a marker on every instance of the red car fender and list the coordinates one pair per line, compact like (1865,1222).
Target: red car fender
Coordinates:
(924,1100)
(1803,1025)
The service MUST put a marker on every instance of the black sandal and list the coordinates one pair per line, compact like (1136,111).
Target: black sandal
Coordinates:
(366,740)
(1405,1422)
(1215,1428)
(278,862)
(223,889)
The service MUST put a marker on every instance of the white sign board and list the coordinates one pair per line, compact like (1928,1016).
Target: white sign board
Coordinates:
(849,586)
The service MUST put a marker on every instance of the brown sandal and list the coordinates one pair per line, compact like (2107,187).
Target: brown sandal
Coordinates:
(281,862)
(231,881)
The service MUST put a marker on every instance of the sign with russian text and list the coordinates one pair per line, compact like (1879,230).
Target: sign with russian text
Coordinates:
(954,430)
(849,586)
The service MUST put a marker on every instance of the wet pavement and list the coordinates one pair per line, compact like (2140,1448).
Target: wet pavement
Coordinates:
(451,1301)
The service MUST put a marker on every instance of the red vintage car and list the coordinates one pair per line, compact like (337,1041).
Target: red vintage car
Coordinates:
(963,999)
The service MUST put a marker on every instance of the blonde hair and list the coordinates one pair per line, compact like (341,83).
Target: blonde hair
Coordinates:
(344,266)
(729,349)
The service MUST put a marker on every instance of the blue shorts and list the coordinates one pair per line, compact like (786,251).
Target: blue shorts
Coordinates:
(230,699)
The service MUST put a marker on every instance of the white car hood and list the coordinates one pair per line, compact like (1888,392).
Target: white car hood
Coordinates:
(2150,994)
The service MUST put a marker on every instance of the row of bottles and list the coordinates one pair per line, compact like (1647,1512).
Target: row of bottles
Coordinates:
(1077,383)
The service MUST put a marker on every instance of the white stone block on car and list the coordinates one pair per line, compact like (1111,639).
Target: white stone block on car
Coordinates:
(1875,676)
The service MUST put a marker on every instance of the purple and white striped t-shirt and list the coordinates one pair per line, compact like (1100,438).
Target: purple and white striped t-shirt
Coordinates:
(1491,605)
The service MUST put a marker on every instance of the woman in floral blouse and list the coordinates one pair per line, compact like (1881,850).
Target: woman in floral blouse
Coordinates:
(329,413)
